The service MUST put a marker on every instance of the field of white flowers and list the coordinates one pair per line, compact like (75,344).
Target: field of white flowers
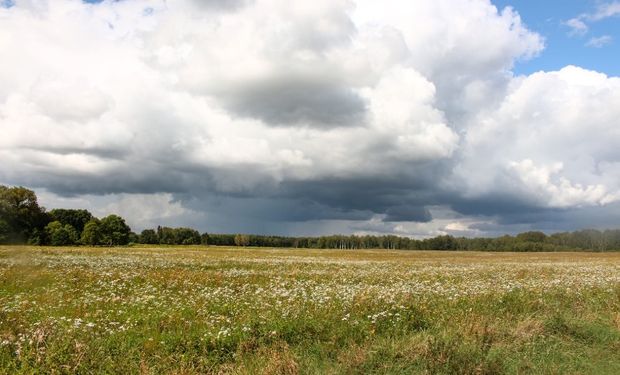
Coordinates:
(233,310)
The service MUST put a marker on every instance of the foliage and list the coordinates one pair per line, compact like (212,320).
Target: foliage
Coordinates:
(5,231)
(226,239)
(76,218)
(20,214)
(170,236)
(242,240)
(23,220)
(148,236)
(204,238)
(61,235)
(91,235)
(133,238)
(114,231)
(586,240)
(39,237)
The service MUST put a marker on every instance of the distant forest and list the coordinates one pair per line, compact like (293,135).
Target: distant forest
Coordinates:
(23,221)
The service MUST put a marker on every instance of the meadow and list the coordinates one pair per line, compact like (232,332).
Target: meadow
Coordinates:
(216,310)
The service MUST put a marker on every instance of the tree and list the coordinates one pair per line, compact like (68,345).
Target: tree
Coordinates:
(242,240)
(533,236)
(114,231)
(38,237)
(204,238)
(166,236)
(5,231)
(221,239)
(149,236)
(20,211)
(61,235)
(187,236)
(91,235)
(76,218)
(133,238)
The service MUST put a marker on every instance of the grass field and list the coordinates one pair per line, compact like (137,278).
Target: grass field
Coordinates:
(232,310)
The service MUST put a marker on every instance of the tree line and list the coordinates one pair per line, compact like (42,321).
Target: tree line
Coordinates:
(582,240)
(23,221)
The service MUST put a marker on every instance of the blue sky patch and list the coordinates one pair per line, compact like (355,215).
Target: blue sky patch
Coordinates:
(6,3)
(594,46)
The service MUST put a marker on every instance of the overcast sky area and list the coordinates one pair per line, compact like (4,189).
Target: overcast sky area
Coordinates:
(415,118)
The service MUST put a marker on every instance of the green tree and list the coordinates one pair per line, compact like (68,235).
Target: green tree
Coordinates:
(114,231)
(445,242)
(149,236)
(20,211)
(172,236)
(166,235)
(38,237)
(91,235)
(242,240)
(76,218)
(5,231)
(532,236)
(187,236)
(133,238)
(61,235)
(204,239)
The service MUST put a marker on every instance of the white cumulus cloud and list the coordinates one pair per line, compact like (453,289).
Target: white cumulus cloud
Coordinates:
(554,131)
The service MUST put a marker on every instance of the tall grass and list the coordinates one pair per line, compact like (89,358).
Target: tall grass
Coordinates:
(220,310)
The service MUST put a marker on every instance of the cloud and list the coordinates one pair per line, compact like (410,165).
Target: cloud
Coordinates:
(407,213)
(579,24)
(605,10)
(549,144)
(287,100)
(313,117)
(599,42)
(560,193)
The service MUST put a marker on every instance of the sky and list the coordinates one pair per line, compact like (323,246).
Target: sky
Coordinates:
(584,33)
(416,118)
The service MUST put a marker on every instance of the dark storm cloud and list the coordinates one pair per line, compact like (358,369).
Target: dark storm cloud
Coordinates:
(73,184)
(293,101)
(606,217)
(376,195)
(553,220)
(492,204)
(408,213)
(400,198)
(506,213)
(134,177)
(402,184)
(352,199)
(270,209)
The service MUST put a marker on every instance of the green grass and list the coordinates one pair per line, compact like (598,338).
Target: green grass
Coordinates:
(245,311)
